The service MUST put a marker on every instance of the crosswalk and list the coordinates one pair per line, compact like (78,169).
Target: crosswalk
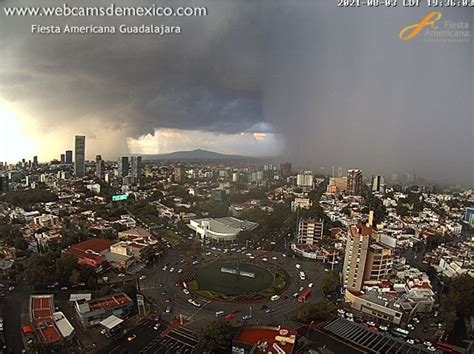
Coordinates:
(179,341)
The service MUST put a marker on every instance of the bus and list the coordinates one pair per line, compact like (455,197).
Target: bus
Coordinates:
(304,296)
(400,332)
(302,275)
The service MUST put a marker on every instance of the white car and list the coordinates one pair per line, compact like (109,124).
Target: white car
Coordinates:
(410,327)
(295,295)
(310,285)
(265,259)
(416,320)
(180,270)
(248,254)
(371,323)
(341,311)
(349,315)
(298,266)
(192,302)
(383,328)
(410,341)
(142,277)
(186,291)
(301,288)
(247,317)
(274,258)
(171,270)
(431,349)
(121,274)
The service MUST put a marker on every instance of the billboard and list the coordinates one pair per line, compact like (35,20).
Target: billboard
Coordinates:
(116,198)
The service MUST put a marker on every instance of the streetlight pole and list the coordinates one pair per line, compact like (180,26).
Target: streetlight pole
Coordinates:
(309,327)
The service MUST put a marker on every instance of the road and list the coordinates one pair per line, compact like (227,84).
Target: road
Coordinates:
(148,340)
(14,303)
(162,286)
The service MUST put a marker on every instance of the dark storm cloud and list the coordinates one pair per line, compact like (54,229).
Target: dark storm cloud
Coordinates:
(207,78)
(339,84)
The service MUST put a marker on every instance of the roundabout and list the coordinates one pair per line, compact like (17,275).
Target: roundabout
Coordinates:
(236,280)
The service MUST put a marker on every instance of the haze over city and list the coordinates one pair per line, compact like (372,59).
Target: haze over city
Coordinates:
(304,81)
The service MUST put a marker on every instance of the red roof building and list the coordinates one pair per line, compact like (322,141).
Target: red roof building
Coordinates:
(263,339)
(91,252)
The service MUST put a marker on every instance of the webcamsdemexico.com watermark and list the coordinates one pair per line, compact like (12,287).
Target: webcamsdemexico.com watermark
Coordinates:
(435,29)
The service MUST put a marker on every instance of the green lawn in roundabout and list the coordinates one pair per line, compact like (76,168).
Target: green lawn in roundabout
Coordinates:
(211,283)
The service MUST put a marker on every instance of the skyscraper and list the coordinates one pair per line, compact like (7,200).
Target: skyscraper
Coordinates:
(99,166)
(365,260)
(285,169)
(35,161)
(136,166)
(62,158)
(69,157)
(357,248)
(354,182)
(377,183)
(123,166)
(79,156)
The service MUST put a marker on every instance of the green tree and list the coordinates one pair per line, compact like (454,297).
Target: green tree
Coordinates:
(316,311)
(330,283)
(215,336)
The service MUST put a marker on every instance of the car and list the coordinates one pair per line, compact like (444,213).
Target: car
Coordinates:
(180,270)
(285,297)
(168,309)
(193,302)
(349,315)
(341,311)
(295,295)
(410,327)
(431,349)
(427,344)
(252,257)
(156,327)
(171,270)
(416,320)
(64,288)
(298,266)
(12,288)
(310,285)
(301,288)
(186,291)
(121,274)
(247,317)
(350,319)
(132,337)
(410,341)
(274,258)
(104,331)
(142,277)
(383,328)
(165,268)
(371,323)
(265,259)
(230,317)
(195,262)
(167,301)
(269,311)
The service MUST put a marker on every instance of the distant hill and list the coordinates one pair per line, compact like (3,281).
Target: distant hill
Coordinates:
(197,154)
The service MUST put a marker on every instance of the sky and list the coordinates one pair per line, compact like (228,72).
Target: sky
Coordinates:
(301,80)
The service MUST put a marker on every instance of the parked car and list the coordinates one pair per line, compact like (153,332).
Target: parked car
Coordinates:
(132,337)
(186,291)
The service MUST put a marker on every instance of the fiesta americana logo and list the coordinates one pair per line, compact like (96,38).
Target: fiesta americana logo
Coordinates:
(410,32)
(432,29)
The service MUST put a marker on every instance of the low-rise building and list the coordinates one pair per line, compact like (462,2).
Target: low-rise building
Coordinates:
(93,312)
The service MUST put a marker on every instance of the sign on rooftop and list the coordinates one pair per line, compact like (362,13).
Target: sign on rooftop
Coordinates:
(117,197)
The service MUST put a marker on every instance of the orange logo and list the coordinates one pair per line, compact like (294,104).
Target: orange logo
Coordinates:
(410,32)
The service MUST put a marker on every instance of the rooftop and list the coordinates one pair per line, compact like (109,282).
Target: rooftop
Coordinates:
(281,338)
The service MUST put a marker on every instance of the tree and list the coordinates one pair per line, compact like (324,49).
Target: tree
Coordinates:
(316,311)
(214,336)
(330,284)
(460,297)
